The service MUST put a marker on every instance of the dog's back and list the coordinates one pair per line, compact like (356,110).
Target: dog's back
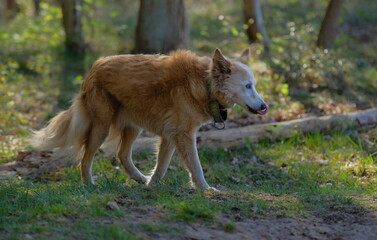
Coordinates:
(149,88)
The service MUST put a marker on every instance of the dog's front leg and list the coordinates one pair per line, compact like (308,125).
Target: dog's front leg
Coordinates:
(186,147)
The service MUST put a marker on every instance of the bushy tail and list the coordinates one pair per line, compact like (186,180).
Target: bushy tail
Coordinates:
(66,132)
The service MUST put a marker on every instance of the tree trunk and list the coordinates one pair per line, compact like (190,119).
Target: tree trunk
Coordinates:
(10,9)
(253,18)
(329,24)
(2,11)
(74,36)
(37,8)
(162,26)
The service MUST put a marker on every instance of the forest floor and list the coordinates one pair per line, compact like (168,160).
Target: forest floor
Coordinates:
(309,187)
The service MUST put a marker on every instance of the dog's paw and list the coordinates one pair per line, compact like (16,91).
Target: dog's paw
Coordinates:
(204,187)
(208,188)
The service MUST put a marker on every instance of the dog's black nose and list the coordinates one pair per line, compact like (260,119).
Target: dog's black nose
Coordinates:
(263,107)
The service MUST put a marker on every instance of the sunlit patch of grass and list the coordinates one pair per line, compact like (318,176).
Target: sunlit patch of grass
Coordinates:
(321,160)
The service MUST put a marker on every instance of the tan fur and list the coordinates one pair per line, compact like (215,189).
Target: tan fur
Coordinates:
(166,95)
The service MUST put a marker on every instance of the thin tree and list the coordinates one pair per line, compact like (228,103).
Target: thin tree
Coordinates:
(253,18)
(2,11)
(162,26)
(37,8)
(74,36)
(10,9)
(329,24)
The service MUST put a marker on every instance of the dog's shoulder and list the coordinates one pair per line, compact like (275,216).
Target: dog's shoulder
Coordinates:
(187,63)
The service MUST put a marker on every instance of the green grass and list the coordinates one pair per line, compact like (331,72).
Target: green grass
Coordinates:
(266,179)
(229,227)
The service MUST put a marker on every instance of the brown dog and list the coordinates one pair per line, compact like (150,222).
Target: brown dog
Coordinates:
(171,96)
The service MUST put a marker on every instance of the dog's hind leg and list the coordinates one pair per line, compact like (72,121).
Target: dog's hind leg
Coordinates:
(128,136)
(96,135)
(165,153)
(100,107)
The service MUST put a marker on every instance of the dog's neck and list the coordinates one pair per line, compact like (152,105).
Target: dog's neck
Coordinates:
(218,112)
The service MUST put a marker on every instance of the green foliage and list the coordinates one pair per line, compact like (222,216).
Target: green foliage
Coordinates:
(211,22)
(299,64)
(26,66)
(25,35)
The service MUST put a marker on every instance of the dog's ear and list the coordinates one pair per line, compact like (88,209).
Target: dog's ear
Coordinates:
(245,56)
(220,64)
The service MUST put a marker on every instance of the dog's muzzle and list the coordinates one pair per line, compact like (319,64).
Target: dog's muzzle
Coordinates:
(263,109)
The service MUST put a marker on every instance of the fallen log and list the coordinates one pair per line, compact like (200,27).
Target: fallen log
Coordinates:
(282,130)
(35,164)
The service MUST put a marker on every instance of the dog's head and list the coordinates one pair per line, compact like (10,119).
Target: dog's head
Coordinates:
(234,83)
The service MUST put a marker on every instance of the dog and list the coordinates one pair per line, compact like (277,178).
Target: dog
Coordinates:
(168,95)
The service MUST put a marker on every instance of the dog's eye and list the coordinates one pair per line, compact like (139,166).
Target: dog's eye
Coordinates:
(248,86)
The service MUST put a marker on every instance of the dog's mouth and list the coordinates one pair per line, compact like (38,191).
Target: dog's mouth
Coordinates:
(261,111)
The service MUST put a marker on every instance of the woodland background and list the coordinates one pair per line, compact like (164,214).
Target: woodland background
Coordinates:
(310,58)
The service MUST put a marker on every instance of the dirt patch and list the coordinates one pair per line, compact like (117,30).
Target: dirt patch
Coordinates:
(293,228)
(336,225)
